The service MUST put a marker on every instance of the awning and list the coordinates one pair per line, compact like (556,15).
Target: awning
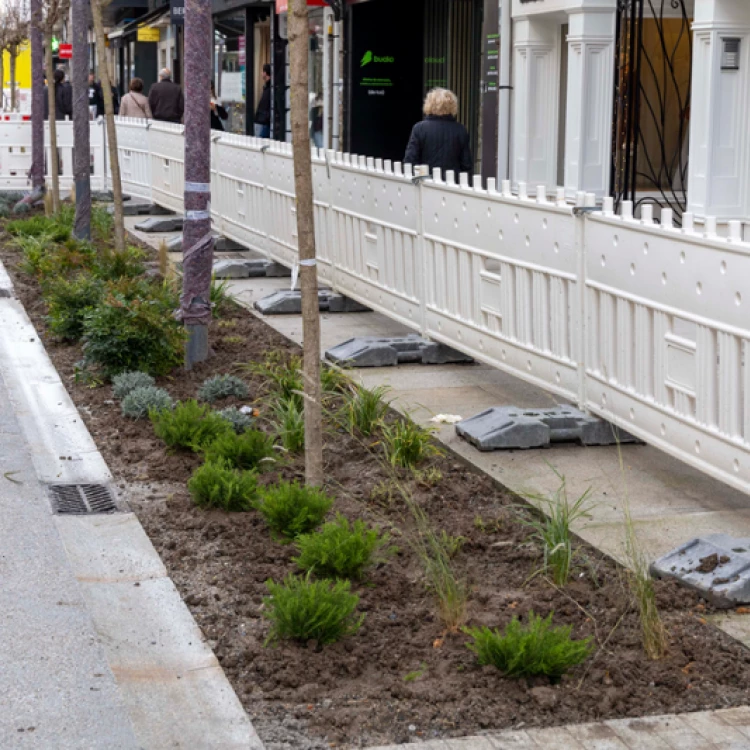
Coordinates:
(157,18)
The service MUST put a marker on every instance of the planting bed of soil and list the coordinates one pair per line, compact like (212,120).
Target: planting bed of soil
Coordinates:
(401,677)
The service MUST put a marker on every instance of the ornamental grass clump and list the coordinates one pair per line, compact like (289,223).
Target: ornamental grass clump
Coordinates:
(126,382)
(189,426)
(140,402)
(407,444)
(364,409)
(283,376)
(252,449)
(222,386)
(289,424)
(239,420)
(341,549)
(291,509)
(304,610)
(217,484)
(536,648)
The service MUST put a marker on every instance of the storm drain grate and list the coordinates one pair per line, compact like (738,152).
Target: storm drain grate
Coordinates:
(82,499)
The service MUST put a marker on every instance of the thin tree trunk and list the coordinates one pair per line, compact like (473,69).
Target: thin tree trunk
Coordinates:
(53,155)
(197,240)
(2,80)
(109,118)
(298,55)
(81,126)
(37,100)
(13,53)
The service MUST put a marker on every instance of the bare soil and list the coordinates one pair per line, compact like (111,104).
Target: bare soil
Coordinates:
(402,677)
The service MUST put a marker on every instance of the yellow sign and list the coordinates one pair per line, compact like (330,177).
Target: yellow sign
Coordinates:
(148,34)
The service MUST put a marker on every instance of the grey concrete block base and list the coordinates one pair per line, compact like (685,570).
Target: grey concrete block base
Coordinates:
(717,566)
(289,302)
(134,208)
(247,268)
(372,351)
(508,427)
(221,245)
(160,224)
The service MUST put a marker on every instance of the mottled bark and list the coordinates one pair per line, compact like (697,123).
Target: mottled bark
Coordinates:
(2,80)
(37,99)
(13,54)
(109,118)
(197,241)
(298,55)
(81,127)
(53,166)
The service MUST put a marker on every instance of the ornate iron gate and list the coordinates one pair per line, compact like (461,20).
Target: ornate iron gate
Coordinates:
(652,103)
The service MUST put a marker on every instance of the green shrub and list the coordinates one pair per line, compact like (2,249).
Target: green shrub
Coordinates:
(289,424)
(407,444)
(291,509)
(189,426)
(21,208)
(68,302)
(218,485)
(222,386)
(102,223)
(364,409)
(36,226)
(140,402)
(536,648)
(125,382)
(303,610)
(238,419)
(121,335)
(113,264)
(64,259)
(250,450)
(341,550)
(33,249)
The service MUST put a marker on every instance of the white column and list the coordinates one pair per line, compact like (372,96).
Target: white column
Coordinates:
(719,166)
(536,84)
(590,90)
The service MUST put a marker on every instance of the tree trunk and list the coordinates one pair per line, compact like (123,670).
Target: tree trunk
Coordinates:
(81,126)
(298,55)
(54,161)
(37,100)
(2,81)
(13,53)
(109,118)
(197,241)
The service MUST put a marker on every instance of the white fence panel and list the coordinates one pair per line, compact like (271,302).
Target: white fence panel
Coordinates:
(502,281)
(669,340)
(15,154)
(167,147)
(374,231)
(135,156)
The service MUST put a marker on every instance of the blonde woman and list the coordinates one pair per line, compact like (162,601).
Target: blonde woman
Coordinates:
(134,103)
(439,141)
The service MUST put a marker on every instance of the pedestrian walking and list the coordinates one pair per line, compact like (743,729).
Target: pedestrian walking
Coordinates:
(165,98)
(63,98)
(218,113)
(263,113)
(96,97)
(134,103)
(440,141)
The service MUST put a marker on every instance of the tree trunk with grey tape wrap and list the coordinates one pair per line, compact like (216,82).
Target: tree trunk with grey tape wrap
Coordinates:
(81,127)
(37,100)
(298,55)
(109,122)
(197,241)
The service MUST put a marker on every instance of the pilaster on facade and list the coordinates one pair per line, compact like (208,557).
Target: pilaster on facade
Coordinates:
(536,83)
(588,126)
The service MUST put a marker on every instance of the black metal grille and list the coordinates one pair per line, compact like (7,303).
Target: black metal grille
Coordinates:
(82,499)
(652,103)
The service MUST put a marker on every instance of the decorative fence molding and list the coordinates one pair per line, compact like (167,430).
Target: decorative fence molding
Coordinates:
(15,152)
(643,324)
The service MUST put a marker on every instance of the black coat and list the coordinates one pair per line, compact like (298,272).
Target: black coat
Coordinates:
(263,113)
(217,115)
(63,101)
(166,101)
(96,98)
(440,142)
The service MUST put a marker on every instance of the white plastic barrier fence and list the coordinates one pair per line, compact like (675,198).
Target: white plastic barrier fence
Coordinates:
(15,152)
(642,324)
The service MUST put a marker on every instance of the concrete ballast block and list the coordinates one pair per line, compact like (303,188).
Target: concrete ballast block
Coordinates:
(372,351)
(160,224)
(289,302)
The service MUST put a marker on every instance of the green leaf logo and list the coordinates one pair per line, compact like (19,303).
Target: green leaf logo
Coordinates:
(366,59)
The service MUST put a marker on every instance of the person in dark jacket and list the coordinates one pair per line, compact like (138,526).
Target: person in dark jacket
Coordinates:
(165,98)
(439,141)
(63,98)
(218,113)
(96,98)
(263,113)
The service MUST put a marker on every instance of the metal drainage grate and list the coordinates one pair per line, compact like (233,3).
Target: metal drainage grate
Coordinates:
(81,499)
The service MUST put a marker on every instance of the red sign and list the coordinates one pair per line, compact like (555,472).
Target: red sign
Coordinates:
(65,52)
(282,5)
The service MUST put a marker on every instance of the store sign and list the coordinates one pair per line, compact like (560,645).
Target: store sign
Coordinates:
(65,52)
(147,34)
(283,5)
(177,12)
